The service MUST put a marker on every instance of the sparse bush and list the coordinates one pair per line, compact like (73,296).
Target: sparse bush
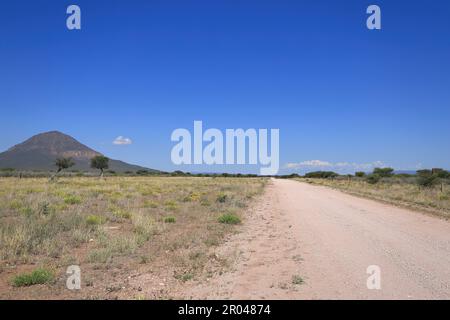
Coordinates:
(193,196)
(93,220)
(38,276)
(15,205)
(221,197)
(122,214)
(150,204)
(184,277)
(71,199)
(297,280)
(171,205)
(169,219)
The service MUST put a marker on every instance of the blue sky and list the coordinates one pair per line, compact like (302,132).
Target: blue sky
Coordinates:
(339,93)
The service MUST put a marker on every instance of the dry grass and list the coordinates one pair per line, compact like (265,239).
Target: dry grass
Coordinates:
(120,221)
(395,191)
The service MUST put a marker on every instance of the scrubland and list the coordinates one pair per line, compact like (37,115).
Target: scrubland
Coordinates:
(114,229)
(395,190)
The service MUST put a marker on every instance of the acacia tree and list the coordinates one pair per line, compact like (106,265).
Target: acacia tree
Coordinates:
(383,172)
(62,163)
(101,163)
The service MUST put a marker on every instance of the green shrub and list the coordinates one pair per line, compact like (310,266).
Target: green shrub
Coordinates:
(184,277)
(193,196)
(373,178)
(38,276)
(360,174)
(150,204)
(171,205)
(122,214)
(15,205)
(71,199)
(169,219)
(93,220)
(427,181)
(229,218)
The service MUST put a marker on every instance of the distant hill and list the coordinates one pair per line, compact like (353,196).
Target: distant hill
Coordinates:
(40,152)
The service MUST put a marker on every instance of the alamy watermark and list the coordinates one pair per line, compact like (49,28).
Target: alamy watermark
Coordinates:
(374,280)
(73,21)
(73,281)
(374,20)
(239,147)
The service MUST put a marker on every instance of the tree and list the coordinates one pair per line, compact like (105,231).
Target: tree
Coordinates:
(321,174)
(383,172)
(62,163)
(428,178)
(360,174)
(442,175)
(101,163)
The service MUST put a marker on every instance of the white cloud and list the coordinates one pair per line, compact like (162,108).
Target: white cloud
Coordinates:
(122,141)
(309,163)
(340,167)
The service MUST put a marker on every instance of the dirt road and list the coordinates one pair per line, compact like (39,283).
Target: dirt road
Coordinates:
(310,242)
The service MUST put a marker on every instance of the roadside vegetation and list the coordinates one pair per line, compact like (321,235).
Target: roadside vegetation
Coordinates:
(427,190)
(112,228)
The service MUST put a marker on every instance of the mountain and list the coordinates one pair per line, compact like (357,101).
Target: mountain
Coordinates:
(40,152)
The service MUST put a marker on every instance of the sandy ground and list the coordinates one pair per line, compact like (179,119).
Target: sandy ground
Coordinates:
(329,239)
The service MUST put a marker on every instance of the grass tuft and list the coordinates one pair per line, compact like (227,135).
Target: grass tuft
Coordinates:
(229,218)
(93,220)
(38,276)
(169,219)
(297,280)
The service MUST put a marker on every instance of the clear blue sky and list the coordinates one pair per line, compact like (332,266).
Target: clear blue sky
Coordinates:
(337,91)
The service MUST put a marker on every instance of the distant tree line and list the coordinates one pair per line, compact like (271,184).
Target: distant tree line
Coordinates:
(423,178)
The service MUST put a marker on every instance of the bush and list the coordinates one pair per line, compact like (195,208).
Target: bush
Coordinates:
(122,214)
(373,178)
(72,200)
(360,174)
(169,219)
(297,280)
(94,220)
(38,276)
(428,178)
(427,181)
(229,218)
(171,205)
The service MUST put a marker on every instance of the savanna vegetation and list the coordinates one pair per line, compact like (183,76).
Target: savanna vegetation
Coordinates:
(115,229)
(427,190)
